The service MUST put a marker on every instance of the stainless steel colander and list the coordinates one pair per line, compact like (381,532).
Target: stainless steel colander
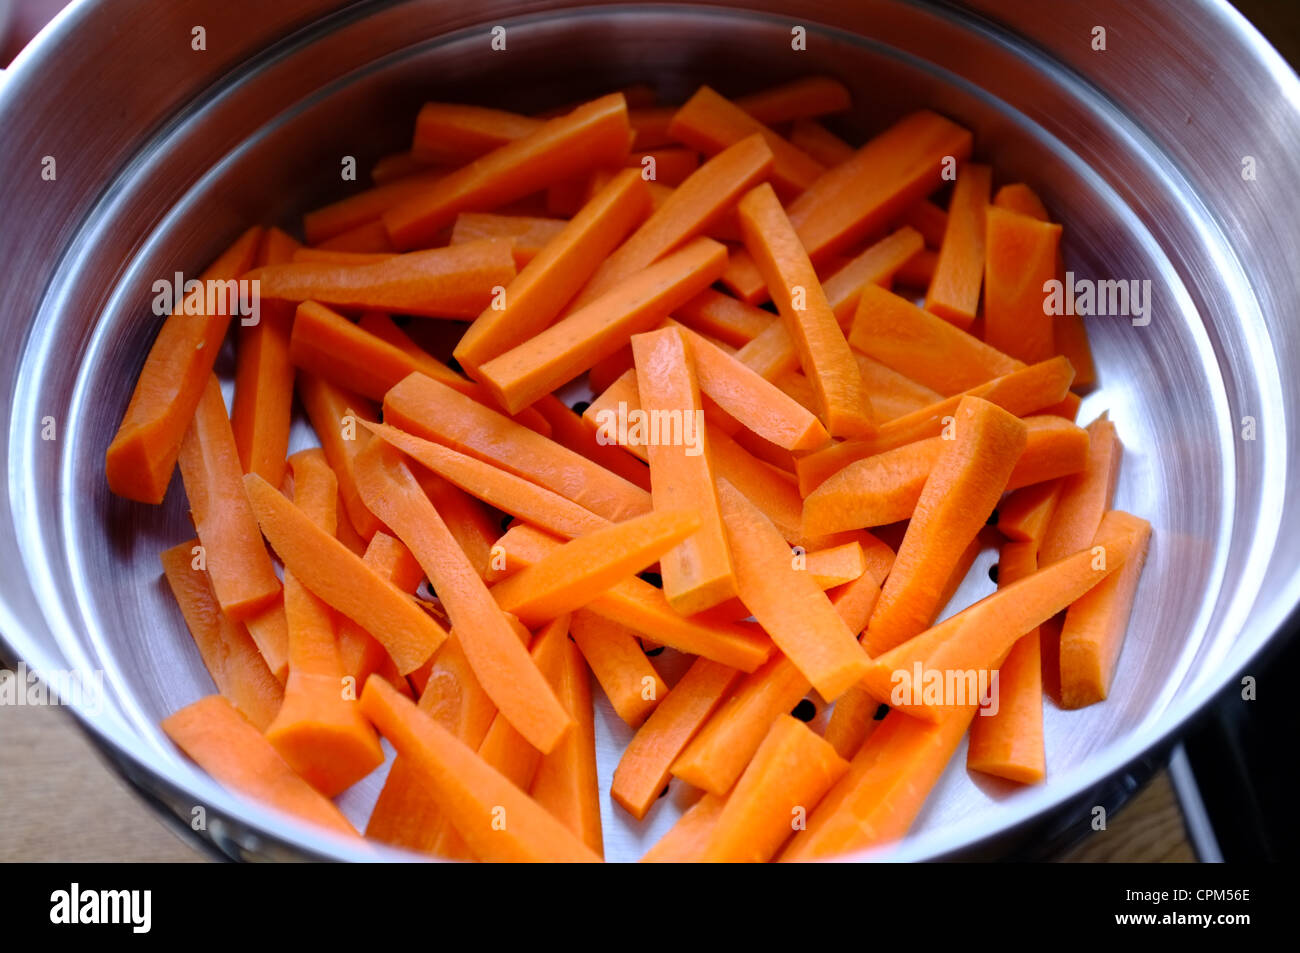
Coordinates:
(163,153)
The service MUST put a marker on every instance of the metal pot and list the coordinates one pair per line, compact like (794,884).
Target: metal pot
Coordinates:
(163,152)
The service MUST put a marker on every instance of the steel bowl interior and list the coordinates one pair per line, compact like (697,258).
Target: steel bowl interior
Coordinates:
(264,142)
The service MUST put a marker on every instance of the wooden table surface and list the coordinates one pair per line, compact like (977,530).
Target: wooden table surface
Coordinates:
(59,801)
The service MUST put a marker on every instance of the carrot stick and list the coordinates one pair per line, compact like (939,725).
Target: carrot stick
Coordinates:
(565,197)
(860,196)
(434,411)
(227,746)
(385,328)
(819,142)
(473,795)
(954,291)
(723,346)
(568,578)
(1071,338)
(503,747)
(496,487)
(809,320)
(711,123)
(367,238)
(775,496)
(876,554)
(874,266)
(500,662)
(689,212)
(926,348)
(917,271)
(360,653)
(228,651)
(1008,742)
(786,602)
(1085,496)
(799,99)
(565,782)
(1020,198)
(473,524)
(836,565)
(564,350)
(592,135)
(717,755)
(329,346)
(140,459)
(628,679)
(671,166)
(928,219)
(603,414)
(751,400)
(454,697)
(962,570)
(238,565)
(1068,335)
(1020,392)
(855,599)
(365,207)
(832,567)
(886,786)
(969,476)
(338,577)
(1067,407)
(791,771)
(1095,626)
(335,415)
(893,394)
(569,430)
(270,631)
(1023,516)
(799,388)
(978,638)
(608,369)
(396,165)
(1020,259)
(371,356)
(772,354)
(642,607)
(454,134)
(686,840)
(852,721)
(263,404)
(333,256)
(643,770)
(612,416)
(405,814)
(698,573)
(318,729)
(528,234)
(538,293)
(723,317)
(650,126)
(777,458)
(638,96)
(453,282)
(886,487)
